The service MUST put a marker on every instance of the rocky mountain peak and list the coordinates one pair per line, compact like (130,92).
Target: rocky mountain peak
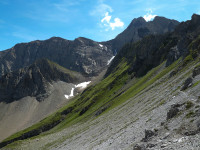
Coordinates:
(56,39)
(81,55)
(139,28)
(164,21)
(84,41)
(195,20)
(137,22)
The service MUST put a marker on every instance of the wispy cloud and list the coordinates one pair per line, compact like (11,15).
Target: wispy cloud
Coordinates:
(149,16)
(101,9)
(108,24)
(61,11)
(65,4)
(106,18)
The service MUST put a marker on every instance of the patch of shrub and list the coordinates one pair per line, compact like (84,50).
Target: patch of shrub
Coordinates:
(189,104)
(190,114)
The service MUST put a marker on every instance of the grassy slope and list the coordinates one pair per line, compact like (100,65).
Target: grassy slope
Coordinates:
(107,94)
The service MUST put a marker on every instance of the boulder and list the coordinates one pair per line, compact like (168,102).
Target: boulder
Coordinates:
(172,112)
(196,71)
(148,135)
(187,83)
(139,147)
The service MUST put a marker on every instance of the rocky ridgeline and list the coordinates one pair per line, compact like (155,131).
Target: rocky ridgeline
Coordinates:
(81,55)
(139,28)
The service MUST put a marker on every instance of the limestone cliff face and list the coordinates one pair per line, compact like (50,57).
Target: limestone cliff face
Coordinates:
(81,55)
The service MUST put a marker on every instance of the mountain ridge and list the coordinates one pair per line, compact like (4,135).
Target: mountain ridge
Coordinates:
(78,55)
(139,28)
(134,71)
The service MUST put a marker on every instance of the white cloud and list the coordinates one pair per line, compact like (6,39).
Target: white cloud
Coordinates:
(117,23)
(101,9)
(106,18)
(106,22)
(149,16)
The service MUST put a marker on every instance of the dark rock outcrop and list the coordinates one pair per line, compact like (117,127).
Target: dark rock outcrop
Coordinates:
(196,71)
(86,108)
(67,111)
(148,135)
(172,112)
(187,83)
(150,145)
(139,147)
(34,80)
(100,111)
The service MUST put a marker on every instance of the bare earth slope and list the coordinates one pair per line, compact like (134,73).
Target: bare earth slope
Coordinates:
(27,111)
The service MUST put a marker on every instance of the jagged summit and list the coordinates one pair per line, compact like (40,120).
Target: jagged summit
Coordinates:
(137,22)
(55,39)
(195,17)
(139,28)
(79,55)
(150,50)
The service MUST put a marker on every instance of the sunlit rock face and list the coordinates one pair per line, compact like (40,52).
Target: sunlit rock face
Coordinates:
(81,55)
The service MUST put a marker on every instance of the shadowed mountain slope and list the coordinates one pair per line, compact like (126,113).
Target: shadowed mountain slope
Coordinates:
(139,28)
(153,49)
(34,80)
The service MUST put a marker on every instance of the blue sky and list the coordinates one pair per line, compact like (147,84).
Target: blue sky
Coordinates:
(100,20)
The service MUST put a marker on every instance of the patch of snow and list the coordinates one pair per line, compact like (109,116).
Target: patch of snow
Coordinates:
(109,61)
(67,96)
(106,48)
(100,45)
(71,94)
(82,85)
